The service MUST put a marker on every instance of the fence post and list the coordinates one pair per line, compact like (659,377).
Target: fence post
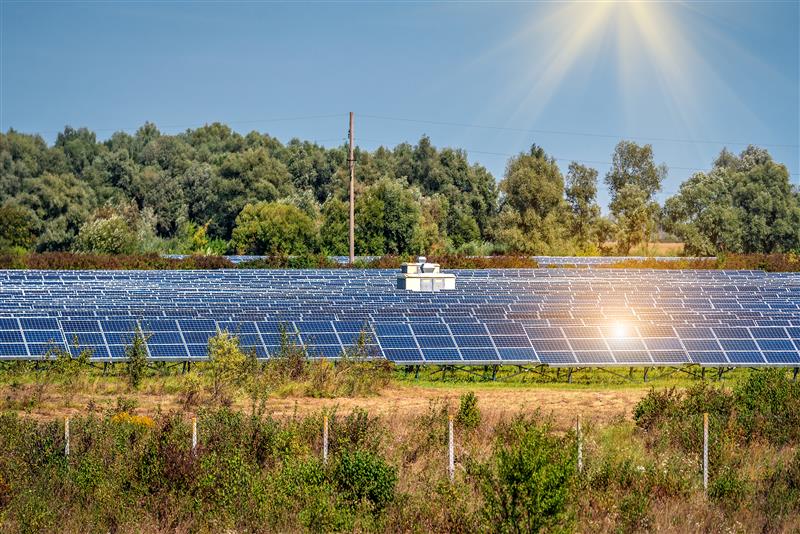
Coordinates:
(451,465)
(66,436)
(579,438)
(325,440)
(194,435)
(705,453)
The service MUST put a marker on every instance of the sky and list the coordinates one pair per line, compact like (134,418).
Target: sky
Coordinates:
(488,77)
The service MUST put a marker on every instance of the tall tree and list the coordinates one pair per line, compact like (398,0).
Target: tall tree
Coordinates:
(744,204)
(273,228)
(581,193)
(633,180)
(533,204)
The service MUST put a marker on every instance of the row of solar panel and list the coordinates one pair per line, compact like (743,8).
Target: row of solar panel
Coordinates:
(416,342)
(448,326)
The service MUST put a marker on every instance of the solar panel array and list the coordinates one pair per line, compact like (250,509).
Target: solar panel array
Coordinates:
(557,317)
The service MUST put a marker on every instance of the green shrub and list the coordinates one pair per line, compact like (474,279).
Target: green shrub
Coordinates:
(356,431)
(227,365)
(136,355)
(768,406)
(727,486)
(526,484)
(781,491)
(468,415)
(655,406)
(290,362)
(363,476)
(634,512)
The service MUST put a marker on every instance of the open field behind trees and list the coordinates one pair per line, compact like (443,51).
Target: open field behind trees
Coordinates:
(210,190)
(258,464)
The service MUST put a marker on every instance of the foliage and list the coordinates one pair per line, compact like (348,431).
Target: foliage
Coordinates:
(468,415)
(633,180)
(744,204)
(16,227)
(363,476)
(227,366)
(581,195)
(533,209)
(273,228)
(189,189)
(136,355)
(106,236)
(762,406)
(526,484)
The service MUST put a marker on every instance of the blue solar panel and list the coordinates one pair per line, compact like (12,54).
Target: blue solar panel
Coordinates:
(556,316)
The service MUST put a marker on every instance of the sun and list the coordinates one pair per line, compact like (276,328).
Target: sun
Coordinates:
(563,43)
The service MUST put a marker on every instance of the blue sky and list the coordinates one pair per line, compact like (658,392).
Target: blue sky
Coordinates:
(574,78)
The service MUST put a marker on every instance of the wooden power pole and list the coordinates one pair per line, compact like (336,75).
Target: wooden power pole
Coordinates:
(352,161)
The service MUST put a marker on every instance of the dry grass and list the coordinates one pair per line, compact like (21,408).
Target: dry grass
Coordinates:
(397,401)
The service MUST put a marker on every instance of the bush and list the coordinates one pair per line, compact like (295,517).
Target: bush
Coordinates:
(69,261)
(468,415)
(526,484)
(727,486)
(768,406)
(107,236)
(136,355)
(227,365)
(363,476)
(290,362)
(781,491)
(356,431)
(634,512)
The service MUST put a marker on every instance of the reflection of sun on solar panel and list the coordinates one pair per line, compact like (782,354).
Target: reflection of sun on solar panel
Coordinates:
(555,317)
(619,330)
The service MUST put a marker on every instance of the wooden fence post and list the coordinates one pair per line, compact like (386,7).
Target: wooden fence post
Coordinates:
(579,438)
(451,465)
(194,435)
(325,440)
(66,436)
(705,453)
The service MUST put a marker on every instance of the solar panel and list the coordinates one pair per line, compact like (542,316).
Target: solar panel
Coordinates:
(551,316)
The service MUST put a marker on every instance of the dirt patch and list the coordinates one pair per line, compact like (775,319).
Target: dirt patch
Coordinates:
(401,401)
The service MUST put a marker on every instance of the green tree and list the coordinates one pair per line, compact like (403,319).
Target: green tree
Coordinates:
(633,180)
(744,204)
(581,194)
(273,228)
(334,231)
(136,355)
(16,227)
(228,366)
(61,204)
(533,207)
(387,219)
(107,236)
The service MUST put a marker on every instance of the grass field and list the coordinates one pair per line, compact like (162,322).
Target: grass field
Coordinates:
(641,445)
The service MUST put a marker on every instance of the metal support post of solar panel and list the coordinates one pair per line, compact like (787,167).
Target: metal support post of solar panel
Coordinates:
(556,317)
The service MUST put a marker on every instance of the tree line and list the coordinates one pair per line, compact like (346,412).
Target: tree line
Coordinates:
(211,190)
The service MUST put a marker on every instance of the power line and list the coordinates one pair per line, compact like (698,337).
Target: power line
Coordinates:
(575,133)
(199,125)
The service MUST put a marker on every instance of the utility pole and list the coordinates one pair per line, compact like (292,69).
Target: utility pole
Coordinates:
(352,161)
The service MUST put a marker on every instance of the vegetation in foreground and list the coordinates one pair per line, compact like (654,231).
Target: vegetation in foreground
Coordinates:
(254,472)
